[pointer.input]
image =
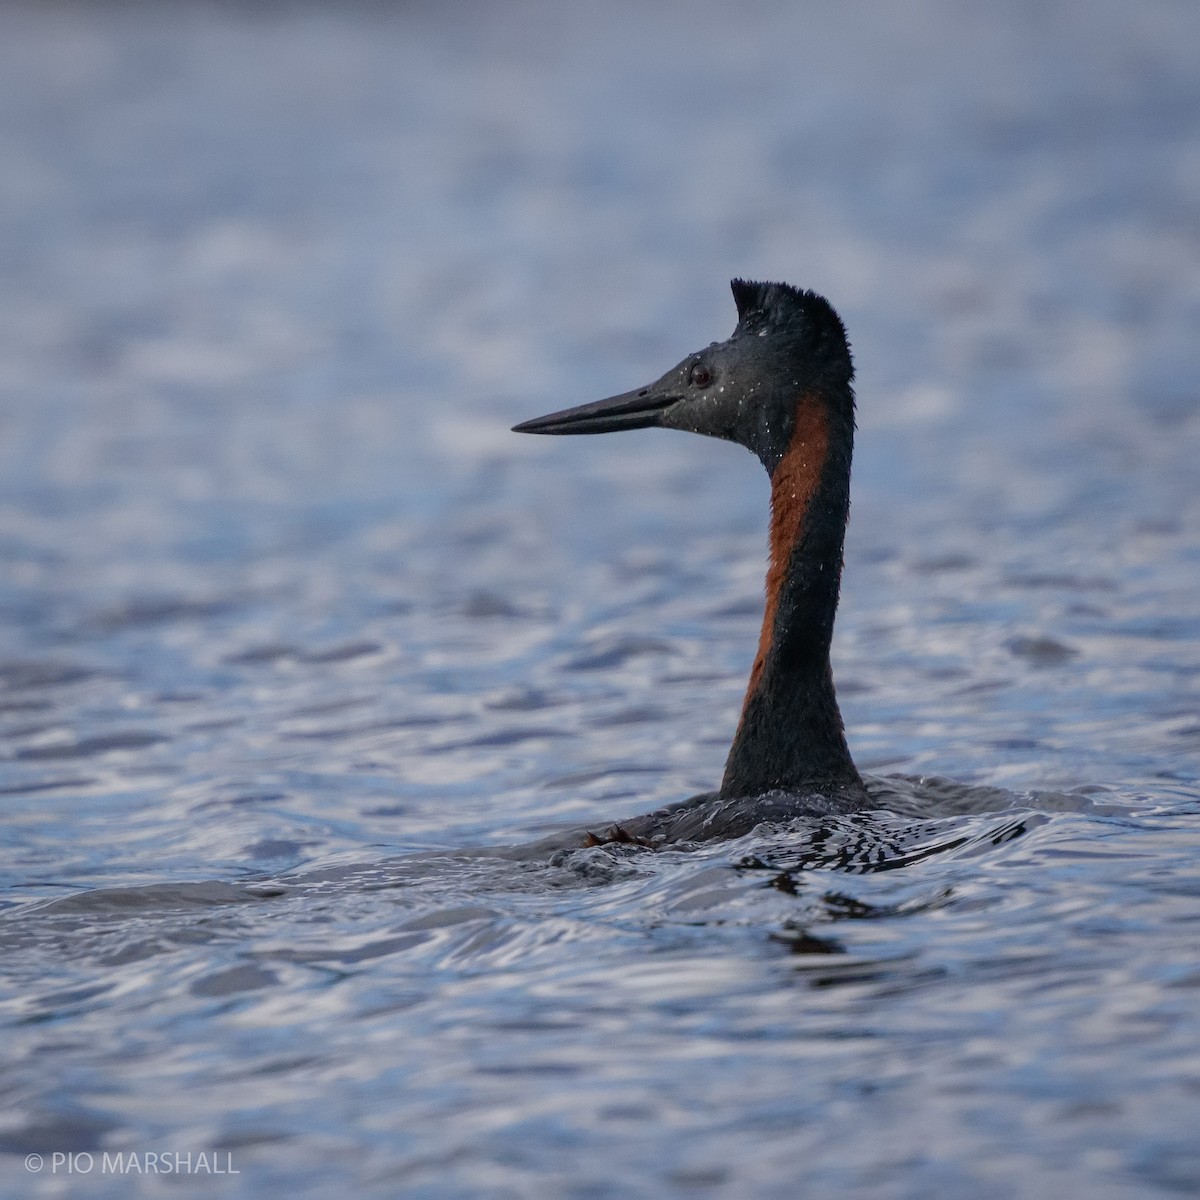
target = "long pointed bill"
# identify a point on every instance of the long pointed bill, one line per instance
(633, 410)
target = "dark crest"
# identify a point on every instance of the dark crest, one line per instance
(781, 307)
(750, 298)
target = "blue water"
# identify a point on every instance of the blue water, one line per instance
(300, 648)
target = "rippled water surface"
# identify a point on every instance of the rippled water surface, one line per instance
(300, 648)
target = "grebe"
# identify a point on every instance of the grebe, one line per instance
(781, 386)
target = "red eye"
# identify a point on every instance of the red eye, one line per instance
(701, 376)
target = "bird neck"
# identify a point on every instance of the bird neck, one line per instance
(791, 736)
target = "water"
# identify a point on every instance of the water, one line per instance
(299, 646)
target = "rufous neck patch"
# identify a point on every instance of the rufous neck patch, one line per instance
(793, 485)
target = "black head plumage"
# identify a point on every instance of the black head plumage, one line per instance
(789, 345)
(766, 308)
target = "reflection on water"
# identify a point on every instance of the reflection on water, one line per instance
(305, 661)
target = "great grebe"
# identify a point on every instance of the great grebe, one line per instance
(781, 386)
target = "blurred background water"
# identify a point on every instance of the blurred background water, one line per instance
(296, 638)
